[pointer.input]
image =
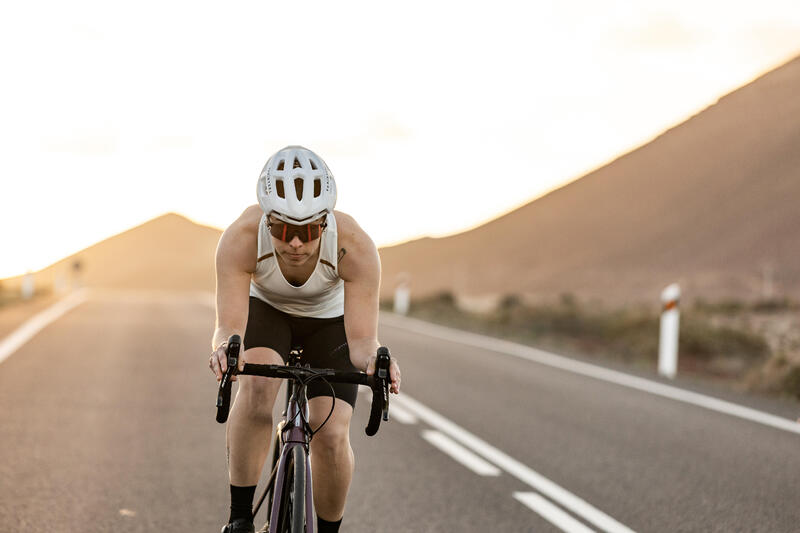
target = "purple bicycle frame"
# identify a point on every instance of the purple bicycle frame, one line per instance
(292, 435)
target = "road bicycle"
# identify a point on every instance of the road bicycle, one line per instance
(289, 491)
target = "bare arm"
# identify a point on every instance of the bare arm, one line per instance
(235, 264)
(360, 268)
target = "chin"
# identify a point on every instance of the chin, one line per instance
(296, 260)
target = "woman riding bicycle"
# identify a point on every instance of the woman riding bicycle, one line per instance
(292, 271)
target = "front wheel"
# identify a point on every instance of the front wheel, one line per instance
(292, 513)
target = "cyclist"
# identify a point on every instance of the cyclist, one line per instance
(292, 271)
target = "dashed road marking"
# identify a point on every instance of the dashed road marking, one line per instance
(551, 513)
(517, 469)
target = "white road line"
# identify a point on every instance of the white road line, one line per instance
(36, 323)
(403, 416)
(396, 412)
(460, 454)
(593, 371)
(513, 467)
(551, 513)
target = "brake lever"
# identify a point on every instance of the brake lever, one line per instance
(382, 372)
(224, 392)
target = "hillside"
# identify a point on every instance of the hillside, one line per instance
(711, 203)
(167, 252)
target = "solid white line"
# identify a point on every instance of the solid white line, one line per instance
(460, 454)
(513, 467)
(551, 513)
(593, 371)
(36, 323)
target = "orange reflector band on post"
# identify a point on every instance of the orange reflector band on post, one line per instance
(672, 304)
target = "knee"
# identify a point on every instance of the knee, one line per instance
(332, 441)
(259, 415)
(257, 397)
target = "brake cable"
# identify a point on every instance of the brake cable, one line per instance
(333, 403)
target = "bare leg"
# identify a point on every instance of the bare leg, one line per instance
(331, 457)
(250, 422)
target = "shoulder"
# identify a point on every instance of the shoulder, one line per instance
(239, 242)
(248, 220)
(358, 254)
(351, 234)
(246, 225)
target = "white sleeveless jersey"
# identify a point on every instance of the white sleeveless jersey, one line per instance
(321, 296)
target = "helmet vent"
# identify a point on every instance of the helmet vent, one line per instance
(298, 187)
(317, 187)
(280, 165)
(279, 187)
(313, 166)
(297, 163)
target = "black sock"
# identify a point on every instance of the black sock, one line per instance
(323, 526)
(242, 502)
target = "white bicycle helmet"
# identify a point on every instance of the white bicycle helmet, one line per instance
(296, 186)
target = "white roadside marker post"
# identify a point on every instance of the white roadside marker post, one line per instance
(668, 339)
(402, 296)
(28, 286)
(60, 283)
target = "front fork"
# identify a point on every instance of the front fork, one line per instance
(293, 431)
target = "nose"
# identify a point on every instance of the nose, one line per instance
(295, 242)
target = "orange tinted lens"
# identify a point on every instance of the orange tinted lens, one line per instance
(287, 232)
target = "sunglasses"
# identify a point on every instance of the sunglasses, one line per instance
(287, 232)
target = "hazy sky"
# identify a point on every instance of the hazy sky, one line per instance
(433, 116)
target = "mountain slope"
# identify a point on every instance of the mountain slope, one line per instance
(711, 203)
(167, 252)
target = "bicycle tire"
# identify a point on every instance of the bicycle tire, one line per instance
(299, 490)
(292, 513)
(276, 454)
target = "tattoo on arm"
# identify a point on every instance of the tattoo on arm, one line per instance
(341, 254)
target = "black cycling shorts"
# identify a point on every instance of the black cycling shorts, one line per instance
(323, 341)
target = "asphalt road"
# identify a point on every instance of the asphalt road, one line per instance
(108, 425)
